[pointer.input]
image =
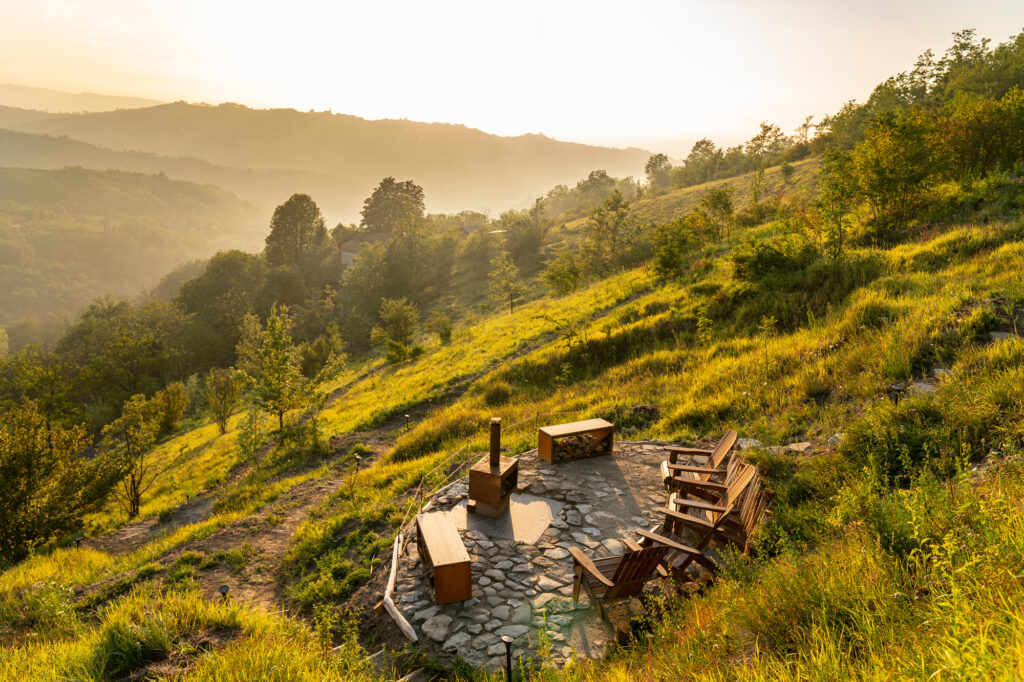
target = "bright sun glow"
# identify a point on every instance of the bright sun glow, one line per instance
(654, 74)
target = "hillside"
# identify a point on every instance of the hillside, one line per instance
(262, 188)
(258, 447)
(56, 101)
(913, 312)
(71, 235)
(459, 167)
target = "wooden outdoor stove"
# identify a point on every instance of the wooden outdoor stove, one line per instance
(493, 479)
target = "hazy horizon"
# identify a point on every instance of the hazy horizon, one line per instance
(574, 72)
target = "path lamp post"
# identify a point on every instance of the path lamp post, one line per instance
(224, 589)
(895, 392)
(508, 657)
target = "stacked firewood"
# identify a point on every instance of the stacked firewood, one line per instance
(576, 447)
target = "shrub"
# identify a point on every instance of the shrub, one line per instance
(757, 260)
(497, 393)
(170, 405)
(563, 275)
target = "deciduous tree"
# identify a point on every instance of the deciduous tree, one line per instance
(504, 282)
(270, 360)
(298, 232)
(393, 204)
(48, 486)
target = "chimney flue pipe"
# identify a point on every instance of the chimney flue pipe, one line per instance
(495, 442)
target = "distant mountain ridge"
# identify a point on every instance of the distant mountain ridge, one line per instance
(57, 101)
(458, 167)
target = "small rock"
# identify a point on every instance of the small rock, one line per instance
(613, 545)
(453, 643)
(922, 388)
(748, 443)
(520, 615)
(556, 553)
(437, 628)
(426, 613)
(798, 447)
(513, 630)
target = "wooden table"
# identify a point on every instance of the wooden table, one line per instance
(602, 433)
(444, 557)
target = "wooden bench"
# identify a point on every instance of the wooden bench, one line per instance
(601, 435)
(444, 557)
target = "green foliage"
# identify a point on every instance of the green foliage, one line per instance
(717, 203)
(270, 361)
(440, 324)
(504, 283)
(612, 238)
(659, 172)
(298, 232)
(524, 233)
(222, 392)
(48, 487)
(563, 275)
(393, 205)
(497, 393)
(130, 438)
(400, 322)
(170, 404)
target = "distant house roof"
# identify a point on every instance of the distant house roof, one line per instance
(353, 244)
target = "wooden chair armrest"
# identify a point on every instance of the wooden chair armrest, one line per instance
(668, 542)
(630, 545)
(697, 504)
(675, 450)
(701, 484)
(687, 467)
(584, 561)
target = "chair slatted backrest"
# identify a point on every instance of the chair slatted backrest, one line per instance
(635, 568)
(754, 506)
(743, 476)
(721, 451)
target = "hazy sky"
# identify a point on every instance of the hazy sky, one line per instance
(656, 74)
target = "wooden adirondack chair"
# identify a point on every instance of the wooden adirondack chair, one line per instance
(716, 459)
(617, 577)
(680, 555)
(713, 492)
(735, 522)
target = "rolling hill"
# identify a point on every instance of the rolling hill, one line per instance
(45, 99)
(458, 167)
(67, 236)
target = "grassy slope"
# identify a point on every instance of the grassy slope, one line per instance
(794, 615)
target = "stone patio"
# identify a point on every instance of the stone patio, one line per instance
(522, 571)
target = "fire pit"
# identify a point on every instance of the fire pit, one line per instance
(493, 479)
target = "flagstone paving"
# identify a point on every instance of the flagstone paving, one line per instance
(524, 589)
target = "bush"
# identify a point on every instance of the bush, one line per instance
(170, 405)
(893, 442)
(563, 275)
(756, 260)
(497, 393)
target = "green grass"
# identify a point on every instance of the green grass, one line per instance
(883, 558)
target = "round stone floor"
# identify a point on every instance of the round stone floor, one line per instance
(525, 589)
